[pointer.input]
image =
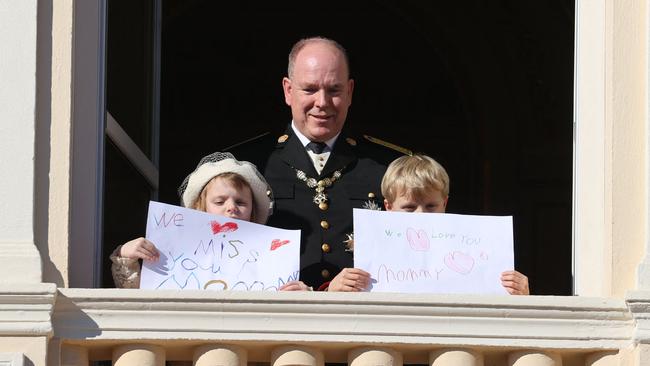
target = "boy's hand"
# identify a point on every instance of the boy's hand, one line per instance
(295, 286)
(350, 280)
(515, 283)
(140, 248)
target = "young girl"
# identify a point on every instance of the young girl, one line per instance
(219, 185)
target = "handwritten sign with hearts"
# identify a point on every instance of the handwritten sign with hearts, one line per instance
(276, 243)
(436, 253)
(226, 227)
(418, 239)
(459, 262)
(203, 251)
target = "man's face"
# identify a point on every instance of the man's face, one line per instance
(319, 92)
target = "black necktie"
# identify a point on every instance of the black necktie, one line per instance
(316, 147)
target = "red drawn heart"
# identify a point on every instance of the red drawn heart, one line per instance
(276, 243)
(418, 240)
(225, 228)
(459, 262)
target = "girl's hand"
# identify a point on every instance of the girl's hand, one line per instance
(515, 283)
(350, 280)
(140, 248)
(295, 286)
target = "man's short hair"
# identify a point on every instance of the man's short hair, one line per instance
(415, 175)
(298, 46)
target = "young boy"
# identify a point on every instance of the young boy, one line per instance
(219, 185)
(417, 183)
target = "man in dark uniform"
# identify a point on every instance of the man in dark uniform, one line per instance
(317, 173)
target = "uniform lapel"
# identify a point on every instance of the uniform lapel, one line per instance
(342, 155)
(295, 155)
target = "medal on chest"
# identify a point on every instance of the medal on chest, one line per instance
(319, 186)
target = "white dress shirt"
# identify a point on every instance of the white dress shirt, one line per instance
(319, 160)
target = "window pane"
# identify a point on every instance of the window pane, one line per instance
(129, 68)
(485, 88)
(126, 200)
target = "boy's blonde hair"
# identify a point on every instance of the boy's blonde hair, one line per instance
(415, 175)
(234, 180)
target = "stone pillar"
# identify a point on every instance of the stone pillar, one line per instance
(369, 356)
(643, 270)
(297, 356)
(20, 261)
(534, 358)
(139, 354)
(455, 357)
(211, 355)
(74, 356)
(602, 359)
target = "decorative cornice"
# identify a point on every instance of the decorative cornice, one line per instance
(26, 309)
(638, 302)
(364, 318)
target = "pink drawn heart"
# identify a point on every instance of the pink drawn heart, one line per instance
(276, 243)
(226, 227)
(418, 240)
(459, 262)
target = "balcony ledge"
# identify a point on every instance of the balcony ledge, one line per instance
(548, 322)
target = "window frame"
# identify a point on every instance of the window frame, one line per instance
(591, 248)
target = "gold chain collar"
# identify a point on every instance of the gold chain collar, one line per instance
(320, 198)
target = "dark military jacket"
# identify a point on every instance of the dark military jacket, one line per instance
(324, 228)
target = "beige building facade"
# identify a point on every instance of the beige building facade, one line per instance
(51, 59)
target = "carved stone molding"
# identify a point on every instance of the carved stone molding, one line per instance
(26, 309)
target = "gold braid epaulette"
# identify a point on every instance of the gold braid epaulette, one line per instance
(387, 144)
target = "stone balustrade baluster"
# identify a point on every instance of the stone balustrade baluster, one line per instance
(371, 356)
(210, 355)
(297, 356)
(602, 359)
(139, 354)
(455, 357)
(534, 358)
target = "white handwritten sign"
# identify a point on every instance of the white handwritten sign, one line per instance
(203, 251)
(436, 253)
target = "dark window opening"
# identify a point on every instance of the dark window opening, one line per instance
(486, 88)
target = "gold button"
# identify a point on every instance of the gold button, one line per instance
(325, 274)
(371, 195)
(325, 247)
(323, 206)
(324, 224)
(283, 138)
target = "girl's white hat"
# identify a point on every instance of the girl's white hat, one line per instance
(222, 162)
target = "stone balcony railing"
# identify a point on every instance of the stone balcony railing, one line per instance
(137, 327)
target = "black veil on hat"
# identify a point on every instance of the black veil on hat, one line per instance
(223, 162)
